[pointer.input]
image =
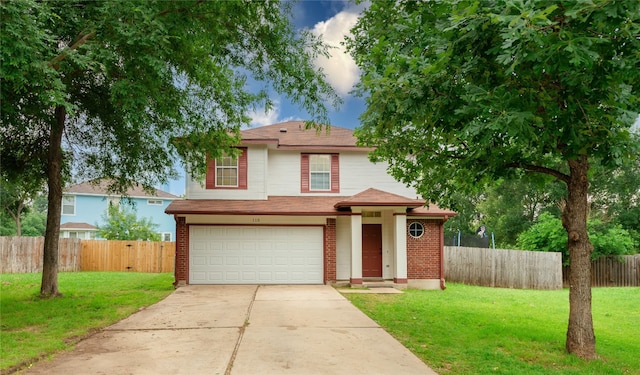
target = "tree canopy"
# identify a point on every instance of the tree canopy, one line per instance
(463, 92)
(120, 89)
(122, 223)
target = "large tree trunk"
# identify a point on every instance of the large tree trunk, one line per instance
(49, 287)
(581, 339)
(18, 222)
(16, 218)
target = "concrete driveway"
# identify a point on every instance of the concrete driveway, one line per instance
(241, 330)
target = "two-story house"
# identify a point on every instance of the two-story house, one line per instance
(85, 204)
(301, 207)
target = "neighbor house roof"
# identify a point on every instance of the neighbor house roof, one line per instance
(72, 225)
(100, 187)
(294, 135)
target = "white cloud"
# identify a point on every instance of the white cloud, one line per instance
(340, 69)
(261, 117)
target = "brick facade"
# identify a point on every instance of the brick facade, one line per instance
(181, 271)
(423, 254)
(330, 251)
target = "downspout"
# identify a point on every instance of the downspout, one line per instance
(443, 286)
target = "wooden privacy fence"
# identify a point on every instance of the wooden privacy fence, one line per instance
(503, 268)
(24, 255)
(612, 271)
(135, 256)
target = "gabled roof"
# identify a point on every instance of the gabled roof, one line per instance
(72, 225)
(100, 187)
(293, 135)
(375, 197)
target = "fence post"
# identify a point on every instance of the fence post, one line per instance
(493, 267)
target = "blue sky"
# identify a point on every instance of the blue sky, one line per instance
(331, 20)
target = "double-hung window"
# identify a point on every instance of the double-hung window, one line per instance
(320, 173)
(68, 204)
(228, 172)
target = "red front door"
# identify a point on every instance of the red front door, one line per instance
(371, 250)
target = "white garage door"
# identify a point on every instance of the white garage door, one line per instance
(255, 255)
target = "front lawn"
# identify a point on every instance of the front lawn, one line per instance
(32, 328)
(477, 330)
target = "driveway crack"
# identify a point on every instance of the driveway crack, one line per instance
(241, 333)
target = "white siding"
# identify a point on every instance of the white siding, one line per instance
(274, 172)
(357, 173)
(284, 173)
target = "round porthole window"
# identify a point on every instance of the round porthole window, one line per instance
(416, 230)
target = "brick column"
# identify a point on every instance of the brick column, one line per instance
(423, 254)
(330, 251)
(181, 270)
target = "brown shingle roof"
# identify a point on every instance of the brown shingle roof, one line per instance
(375, 197)
(72, 225)
(101, 188)
(272, 206)
(302, 206)
(292, 134)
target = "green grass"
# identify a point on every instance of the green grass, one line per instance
(477, 330)
(33, 328)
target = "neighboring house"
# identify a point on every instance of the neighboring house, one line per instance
(301, 207)
(85, 204)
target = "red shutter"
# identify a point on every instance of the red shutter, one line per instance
(242, 169)
(335, 173)
(210, 181)
(304, 173)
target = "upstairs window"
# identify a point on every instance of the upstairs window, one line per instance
(320, 173)
(68, 204)
(228, 172)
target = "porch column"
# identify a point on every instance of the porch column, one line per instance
(356, 249)
(400, 240)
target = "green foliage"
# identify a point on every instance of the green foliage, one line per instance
(16, 199)
(7, 225)
(34, 328)
(547, 234)
(34, 224)
(460, 93)
(122, 223)
(136, 84)
(477, 330)
(463, 93)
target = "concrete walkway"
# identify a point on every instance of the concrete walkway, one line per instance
(241, 330)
